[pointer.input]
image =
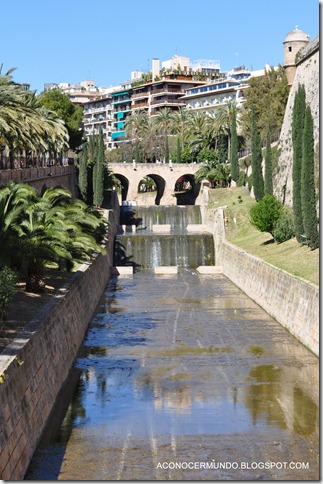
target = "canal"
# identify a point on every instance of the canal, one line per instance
(183, 377)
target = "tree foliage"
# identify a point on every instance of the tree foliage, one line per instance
(83, 172)
(49, 228)
(234, 148)
(8, 289)
(308, 196)
(25, 123)
(266, 97)
(72, 115)
(268, 165)
(98, 171)
(265, 214)
(256, 161)
(297, 139)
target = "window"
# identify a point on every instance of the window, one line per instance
(289, 49)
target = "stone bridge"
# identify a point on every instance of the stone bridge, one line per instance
(175, 182)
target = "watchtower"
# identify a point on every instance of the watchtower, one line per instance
(293, 43)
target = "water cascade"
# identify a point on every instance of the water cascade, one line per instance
(146, 248)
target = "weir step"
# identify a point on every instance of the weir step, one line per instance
(161, 228)
(123, 270)
(197, 228)
(166, 270)
(210, 269)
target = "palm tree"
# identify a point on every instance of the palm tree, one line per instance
(50, 228)
(163, 122)
(23, 123)
(180, 121)
(221, 119)
(135, 124)
(222, 175)
(14, 198)
(136, 127)
(207, 172)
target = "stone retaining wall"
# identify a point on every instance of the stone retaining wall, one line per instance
(43, 177)
(292, 301)
(36, 364)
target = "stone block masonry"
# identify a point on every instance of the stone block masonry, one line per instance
(43, 177)
(292, 301)
(36, 364)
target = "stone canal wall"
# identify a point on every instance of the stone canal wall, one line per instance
(36, 364)
(292, 301)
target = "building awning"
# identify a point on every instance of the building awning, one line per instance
(117, 134)
(119, 93)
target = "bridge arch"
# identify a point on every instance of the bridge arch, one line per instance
(165, 177)
(186, 189)
(124, 185)
(160, 183)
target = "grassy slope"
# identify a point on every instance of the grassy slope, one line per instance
(290, 256)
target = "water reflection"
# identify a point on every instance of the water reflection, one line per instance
(187, 355)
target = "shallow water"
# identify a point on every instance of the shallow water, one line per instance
(184, 377)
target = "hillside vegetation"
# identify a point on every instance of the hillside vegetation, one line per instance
(289, 256)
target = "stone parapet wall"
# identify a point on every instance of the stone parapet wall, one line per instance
(43, 177)
(292, 301)
(36, 363)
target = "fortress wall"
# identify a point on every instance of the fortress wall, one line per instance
(43, 177)
(292, 301)
(307, 73)
(36, 363)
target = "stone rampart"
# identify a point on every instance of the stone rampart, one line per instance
(308, 74)
(292, 301)
(43, 177)
(36, 364)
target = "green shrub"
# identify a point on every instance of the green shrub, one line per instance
(284, 227)
(249, 182)
(242, 179)
(264, 215)
(8, 289)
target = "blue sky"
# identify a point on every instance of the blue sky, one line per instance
(104, 40)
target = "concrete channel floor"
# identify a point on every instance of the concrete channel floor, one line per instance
(186, 378)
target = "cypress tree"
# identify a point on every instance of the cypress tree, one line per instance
(99, 171)
(234, 148)
(166, 149)
(222, 148)
(308, 196)
(297, 139)
(178, 151)
(82, 179)
(256, 161)
(268, 165)
(93, 153)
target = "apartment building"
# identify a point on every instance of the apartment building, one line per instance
(121, 105)
(167, 86)
(80, 93)
(98, 113)
(230, 87)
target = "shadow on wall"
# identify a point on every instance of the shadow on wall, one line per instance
(186, 190)
(121, 258)
(160, 184)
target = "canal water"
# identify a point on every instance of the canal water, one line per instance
(183, 377)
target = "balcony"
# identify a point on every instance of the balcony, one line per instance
(177, 102)
(141, 95)
(167, 90)
(140, 105)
